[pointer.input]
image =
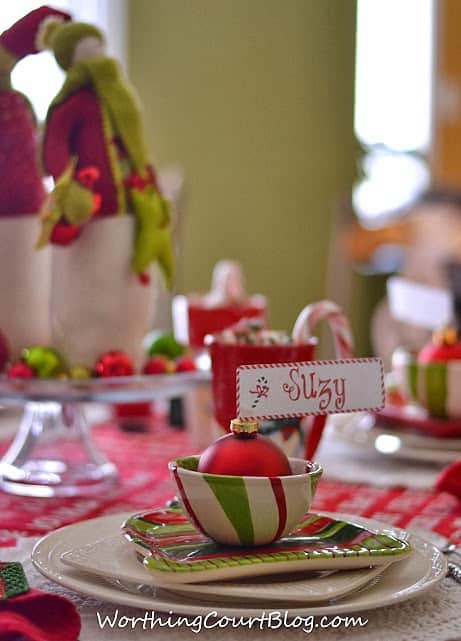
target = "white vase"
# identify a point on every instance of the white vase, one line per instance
(24, 284)
(97, 301)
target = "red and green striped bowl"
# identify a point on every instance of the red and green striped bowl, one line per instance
(435, 385)
(245, 510)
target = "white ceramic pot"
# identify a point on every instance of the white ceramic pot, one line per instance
(97, 301)
(24, 284)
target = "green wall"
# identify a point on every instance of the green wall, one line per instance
(254, 99)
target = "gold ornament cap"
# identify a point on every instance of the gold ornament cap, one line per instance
(447, 335)
(241, 426)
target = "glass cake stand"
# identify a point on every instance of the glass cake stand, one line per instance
(52, 453)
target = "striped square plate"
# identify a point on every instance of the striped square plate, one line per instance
(171, 547)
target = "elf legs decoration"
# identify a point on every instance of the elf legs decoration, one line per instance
(24, 284)
(97, 302)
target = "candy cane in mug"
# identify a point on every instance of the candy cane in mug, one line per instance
(303, 330)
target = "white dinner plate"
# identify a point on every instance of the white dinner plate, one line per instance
(360, 431)
(411, 577)
(115, 558)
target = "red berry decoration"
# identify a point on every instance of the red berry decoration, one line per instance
(97, 199)
(20, 370)
(244, 452)
(185, 364)
(158, 365)
(144, 278)
(114, 363)
(64, 234)
(87, 176)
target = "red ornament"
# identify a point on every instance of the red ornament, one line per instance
(444, 347)
(20, 370)
(439, 353)
(244, 452)
(64, 234)
(114, 363)
(158, 365)
(185, 364)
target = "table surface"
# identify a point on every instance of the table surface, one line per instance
(142, 461)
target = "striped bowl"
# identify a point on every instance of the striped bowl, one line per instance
(436, 386)
(245, 510)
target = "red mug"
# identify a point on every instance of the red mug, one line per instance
(203, 320)
(227, 357)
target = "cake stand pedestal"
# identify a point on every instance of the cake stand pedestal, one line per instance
(53, 453)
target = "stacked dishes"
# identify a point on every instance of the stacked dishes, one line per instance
(329, 564)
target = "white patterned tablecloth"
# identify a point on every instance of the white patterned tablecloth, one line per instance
(433, 617)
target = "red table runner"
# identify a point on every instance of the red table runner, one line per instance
(145, 483)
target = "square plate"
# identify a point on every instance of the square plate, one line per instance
(174, 550)
(115, 560)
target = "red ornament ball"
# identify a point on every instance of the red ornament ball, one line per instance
(185, 364)
(445, 346)
(158, 365)
(439, 353)
(244, 455)
(20, 370)
(114, 363)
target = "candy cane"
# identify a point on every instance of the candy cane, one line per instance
(227, 283)
(343, 342)
(338, 323)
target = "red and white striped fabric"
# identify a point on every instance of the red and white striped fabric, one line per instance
(146, 483)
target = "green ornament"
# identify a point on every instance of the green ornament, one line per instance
(80, 372)
(166, 345)
(46, 362)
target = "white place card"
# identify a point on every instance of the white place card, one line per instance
(312, 387)
(418, 304)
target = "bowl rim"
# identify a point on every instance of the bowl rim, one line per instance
(315, 472)
(312, 342)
